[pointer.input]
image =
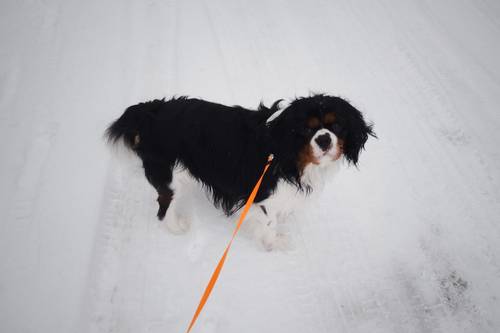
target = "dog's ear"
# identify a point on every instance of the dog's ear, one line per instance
(280, 131)
(281, 141)
(358, 131)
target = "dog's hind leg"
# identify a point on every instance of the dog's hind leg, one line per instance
(160, 176)
(170, 183)
(165, 197)
(176, 219)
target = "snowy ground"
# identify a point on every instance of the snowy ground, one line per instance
(410, 242)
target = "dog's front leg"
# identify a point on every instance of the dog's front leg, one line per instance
(261, 224)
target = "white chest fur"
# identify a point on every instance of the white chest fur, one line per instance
(262, 219)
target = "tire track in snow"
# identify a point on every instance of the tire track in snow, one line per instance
(125, 292)
(173, 78)
(443, 101)
(10, 76)
(200, 53)
(227, 46)
(456, 138)
(117, 283)
(248, 60)
(223, 57)
(38, 129)
(451, 133)
(350, 278)
(29, 179)
(444, 123)
(152, 60)
(454, 284)
(489, 10)
(303, 296)
(366, 307)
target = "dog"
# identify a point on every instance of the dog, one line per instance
(225, 149)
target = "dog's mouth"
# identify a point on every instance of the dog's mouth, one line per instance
(330, 152)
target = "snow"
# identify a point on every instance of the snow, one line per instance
(407, 243)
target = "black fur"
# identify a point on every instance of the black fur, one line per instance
(226, 148)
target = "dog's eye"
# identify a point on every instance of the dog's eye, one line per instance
(336, 127)
(307, 131)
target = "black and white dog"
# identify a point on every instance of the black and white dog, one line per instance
(226, 149)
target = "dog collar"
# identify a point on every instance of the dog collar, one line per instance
(274, 116)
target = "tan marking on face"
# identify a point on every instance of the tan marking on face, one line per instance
(306, 156)
(328, 118)
(313, 122)
(340, 149)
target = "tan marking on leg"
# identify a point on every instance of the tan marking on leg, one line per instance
(164, 197)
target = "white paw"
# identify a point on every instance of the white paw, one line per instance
(280, 243)
(177, 225)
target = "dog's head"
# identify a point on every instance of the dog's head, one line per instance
(319, 129)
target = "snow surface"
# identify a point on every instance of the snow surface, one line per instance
(410, 242)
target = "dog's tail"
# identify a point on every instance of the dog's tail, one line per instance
(126, 134)
(132, 124)
(128, 126)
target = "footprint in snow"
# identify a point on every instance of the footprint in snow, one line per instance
(210, 324)
(196, 248)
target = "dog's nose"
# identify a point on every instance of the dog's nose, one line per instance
(324, 141)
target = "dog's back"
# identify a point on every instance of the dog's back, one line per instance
(222, 147)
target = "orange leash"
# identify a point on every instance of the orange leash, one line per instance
(211, 284)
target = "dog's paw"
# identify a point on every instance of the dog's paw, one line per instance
(280, 243)
(176, 224)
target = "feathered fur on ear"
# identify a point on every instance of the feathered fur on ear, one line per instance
(282, 142)
(357, 134)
